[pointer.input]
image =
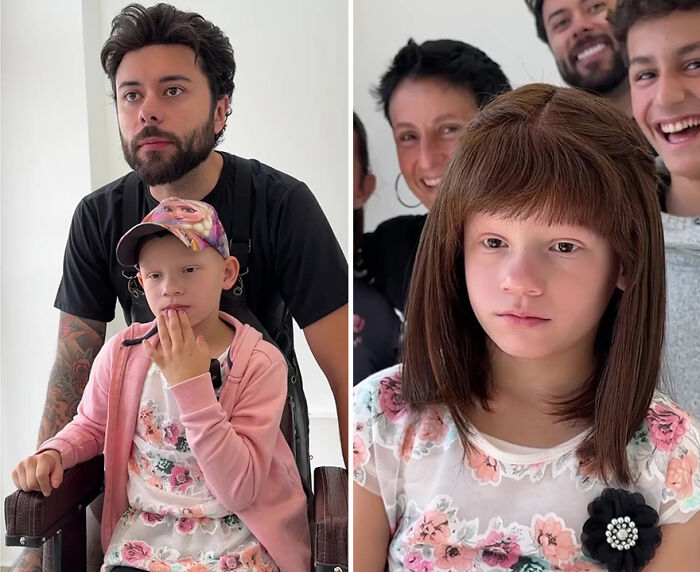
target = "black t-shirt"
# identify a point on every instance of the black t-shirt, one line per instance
(296, 267)
(388, 255)
(376, 329)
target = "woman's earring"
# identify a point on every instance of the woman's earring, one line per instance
(398, 196)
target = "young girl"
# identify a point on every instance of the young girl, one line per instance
(532, 352)
(198, 475)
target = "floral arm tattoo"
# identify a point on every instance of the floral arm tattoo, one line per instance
(79, 340)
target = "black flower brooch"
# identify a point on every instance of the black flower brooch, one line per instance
(622, 531)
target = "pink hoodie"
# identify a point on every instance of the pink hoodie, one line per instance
(246, 461)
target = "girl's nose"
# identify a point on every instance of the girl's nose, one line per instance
(522, 277)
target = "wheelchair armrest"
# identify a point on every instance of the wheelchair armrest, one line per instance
(31, 518)
(330, 519)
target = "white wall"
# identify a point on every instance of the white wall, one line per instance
(504, 29)
(59, 142)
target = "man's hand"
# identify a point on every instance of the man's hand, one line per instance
(180, 356)
(42, 472)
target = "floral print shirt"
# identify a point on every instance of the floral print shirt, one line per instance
(173, 523)
(503, 506)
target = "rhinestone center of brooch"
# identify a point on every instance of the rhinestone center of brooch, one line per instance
(622, 533)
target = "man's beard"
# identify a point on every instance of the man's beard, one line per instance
(155, 168)
(594, 81)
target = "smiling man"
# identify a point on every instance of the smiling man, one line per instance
(579, 36)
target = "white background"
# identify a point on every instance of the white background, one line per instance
(503, 29)
(60, 141)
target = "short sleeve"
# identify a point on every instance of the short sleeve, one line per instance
(379, 427)
(310, 267)
(674, 437)
(85, 289)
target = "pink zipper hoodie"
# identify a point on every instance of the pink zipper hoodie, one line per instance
(246, 461)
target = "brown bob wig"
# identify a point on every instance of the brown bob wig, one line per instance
(565, 157)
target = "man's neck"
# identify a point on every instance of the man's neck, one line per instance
(683, 197)
(196, 184)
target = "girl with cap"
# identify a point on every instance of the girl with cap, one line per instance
(197, 472)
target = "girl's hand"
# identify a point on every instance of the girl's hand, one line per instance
(42, 472)
(180, 356)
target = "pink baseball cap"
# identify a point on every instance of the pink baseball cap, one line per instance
(195, 223)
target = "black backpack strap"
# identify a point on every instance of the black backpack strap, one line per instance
(239, 235)
(130, 205)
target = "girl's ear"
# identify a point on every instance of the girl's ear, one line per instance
(621, 280)
(231, 269)
(138, 275)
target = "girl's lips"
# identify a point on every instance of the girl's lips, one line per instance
(175, 307)
(526, 321)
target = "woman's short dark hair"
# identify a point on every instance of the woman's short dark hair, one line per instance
(565, 156)
(629, 12)
(362, 149)
(456, 63)
(136, 27)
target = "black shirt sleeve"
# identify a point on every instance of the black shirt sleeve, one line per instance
(85, 289)
(389, 254)
(310, 268)
(376, 329)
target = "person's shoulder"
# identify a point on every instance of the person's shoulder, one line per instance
(378, 399)
(669, 427)
(266, 178)
(106, 192)
(404, 224)
(663, 459)
(249, 345)
(101, 201)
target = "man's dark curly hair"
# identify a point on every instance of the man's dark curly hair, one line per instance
(535, 7)
(629, 12)
(456, 63)
(136, 27)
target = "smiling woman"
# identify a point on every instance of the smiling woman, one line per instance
(428, 94)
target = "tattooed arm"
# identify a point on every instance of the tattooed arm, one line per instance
(79, 340)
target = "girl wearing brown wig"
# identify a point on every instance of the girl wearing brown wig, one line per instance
(524, 418)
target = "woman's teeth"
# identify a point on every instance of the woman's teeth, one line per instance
(432, 182)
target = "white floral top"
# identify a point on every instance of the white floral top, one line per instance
(173, 523)
(503, 507)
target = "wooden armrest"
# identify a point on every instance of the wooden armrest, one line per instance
(31, 518)
(330, 519)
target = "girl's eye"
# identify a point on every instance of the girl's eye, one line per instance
(407, 137)
(694, 65)
(189, 269)
(565, 247)
(598, 7)
(493, 242)
(130, 96)
(153, 276)
(188, 210)
(174, 91)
